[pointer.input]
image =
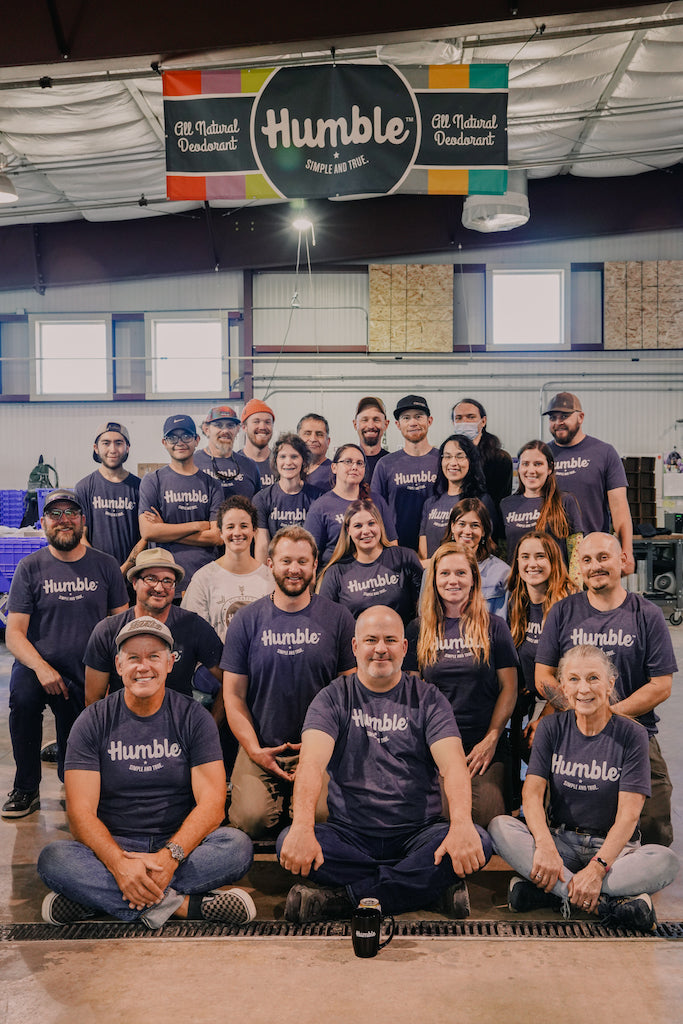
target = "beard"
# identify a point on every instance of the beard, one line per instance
(293, 588)
(567, 435)
(370, 436)
(64, 539)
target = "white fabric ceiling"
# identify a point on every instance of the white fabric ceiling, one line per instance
(604, 104)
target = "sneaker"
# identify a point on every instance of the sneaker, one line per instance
(57, 909)
(21, 803)
(48, 753)
(229, 906)
(455, 901)
(523, 895)
(634, 912)
(317, 903)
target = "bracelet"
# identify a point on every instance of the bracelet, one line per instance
(603, 863)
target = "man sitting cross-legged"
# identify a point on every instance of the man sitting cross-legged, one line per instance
(145, 794)
(383, 735)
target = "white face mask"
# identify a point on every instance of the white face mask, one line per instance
(468, 429)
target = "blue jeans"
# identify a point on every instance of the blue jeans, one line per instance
(637, 868)
(27, 701)
(398, 869)
(72, 869)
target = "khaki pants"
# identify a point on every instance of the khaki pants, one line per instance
(655, 819)
(261, 803)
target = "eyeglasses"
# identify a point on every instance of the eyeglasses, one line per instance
(225, 475)
(174, 439)
(460, 457)
(358, 463)
(57, 513)
(152, 581)
(224, 424)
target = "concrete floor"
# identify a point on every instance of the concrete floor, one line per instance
(297, 980)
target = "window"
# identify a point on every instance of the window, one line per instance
(188, 354)
(527, 309)
(71, 356)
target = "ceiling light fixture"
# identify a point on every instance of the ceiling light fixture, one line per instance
(499, 213)
(302, 224)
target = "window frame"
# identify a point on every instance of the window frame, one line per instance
(228, 320)
(531, 269)
(35, 321)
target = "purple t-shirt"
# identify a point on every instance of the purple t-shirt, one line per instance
(635, 635)
(436, 513)
(287, 657)
(587, 773)
(111, 513)
(382, 774)
(321, 476)
(405, 482)
(182, 499)
(194, 642)
(471, 687)
(241, 474)
(370, 463)
(276, 509)
(589, 470)
(264, 469)
(529, 646)
(65, 601)
(521, 514)
(145, 763)
(325, 517)
(393, 579)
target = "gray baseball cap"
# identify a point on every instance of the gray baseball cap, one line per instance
(144, 626)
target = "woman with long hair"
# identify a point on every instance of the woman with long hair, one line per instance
(469, 524)
(538, 580)
(365, 569)
(325, 515)
(469, 655)
(538, 503)
(287, 501)
(588, 777)
(458, 476)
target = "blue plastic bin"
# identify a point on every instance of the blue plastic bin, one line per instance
(13, 549)
(11, 508)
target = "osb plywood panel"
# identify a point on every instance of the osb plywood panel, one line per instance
(411, 308)
(615, 305)
(644, 305)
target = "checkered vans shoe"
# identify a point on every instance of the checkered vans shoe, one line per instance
(57, 909)
(229, 906)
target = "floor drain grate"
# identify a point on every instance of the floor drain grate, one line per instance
(97, 930)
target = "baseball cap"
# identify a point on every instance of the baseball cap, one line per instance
(180, 422)
(117, 427)
(370, 402)
(255, 405)
(155, 558)
(563, 401)
(221, 412)
(103, 429)
(411, 402)
(144, 626)
(62, 494)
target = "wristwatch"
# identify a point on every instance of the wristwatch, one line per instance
(176, 851)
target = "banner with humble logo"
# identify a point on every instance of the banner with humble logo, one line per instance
(332, 130)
